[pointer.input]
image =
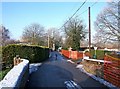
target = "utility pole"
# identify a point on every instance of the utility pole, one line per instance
(33, 38)
(89, 29)
(48, 40)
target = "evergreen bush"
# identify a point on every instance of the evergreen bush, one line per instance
(33, 53)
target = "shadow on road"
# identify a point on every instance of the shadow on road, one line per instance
(49, 76)
(53, 73)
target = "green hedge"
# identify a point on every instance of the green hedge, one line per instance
(3, 73)
(0, 53)
(99, 53)
(33, 53)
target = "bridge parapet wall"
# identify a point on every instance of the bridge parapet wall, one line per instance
(17, 76)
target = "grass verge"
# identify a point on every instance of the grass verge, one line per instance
(3, 73)
(93, 68)
(99, 53)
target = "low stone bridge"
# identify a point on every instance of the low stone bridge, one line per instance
(56, 72)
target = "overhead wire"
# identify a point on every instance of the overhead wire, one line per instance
(86, 9)
(74, 13)
(77, 11)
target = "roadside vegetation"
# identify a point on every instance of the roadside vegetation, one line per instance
(33, 53)
(99, 53)
(4, 72)
(0, 53)
(94, 68)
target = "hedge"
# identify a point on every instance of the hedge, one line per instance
(99, 53)
(33, 53)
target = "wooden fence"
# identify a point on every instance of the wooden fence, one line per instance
(112, 70)
(66, 53)
(72, 54)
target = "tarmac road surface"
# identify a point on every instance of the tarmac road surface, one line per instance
(54, 72)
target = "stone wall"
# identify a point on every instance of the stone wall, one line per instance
(17, 76)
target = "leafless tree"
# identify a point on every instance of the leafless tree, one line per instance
(106, 24)
(4, 35)
(54, 37)
(13, 41)
(34, 34)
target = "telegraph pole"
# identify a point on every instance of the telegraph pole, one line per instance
(89, 28)
(48, 40)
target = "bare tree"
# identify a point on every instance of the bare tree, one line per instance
(99, 40)
(4, 35)
(107, 24)
(13, 41)
(34, 34)
(54, 37)
(75, 32)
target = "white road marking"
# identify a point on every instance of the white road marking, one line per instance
(72, 85)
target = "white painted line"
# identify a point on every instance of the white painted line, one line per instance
(72, 85)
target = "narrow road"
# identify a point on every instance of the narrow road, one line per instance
(56, 71)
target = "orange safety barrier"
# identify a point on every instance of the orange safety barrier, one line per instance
(112, 70)
(72, 54)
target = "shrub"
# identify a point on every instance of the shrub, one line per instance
(87, 53)
(0, 52)
(3, 73)
(32, 53)
(93, 67)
